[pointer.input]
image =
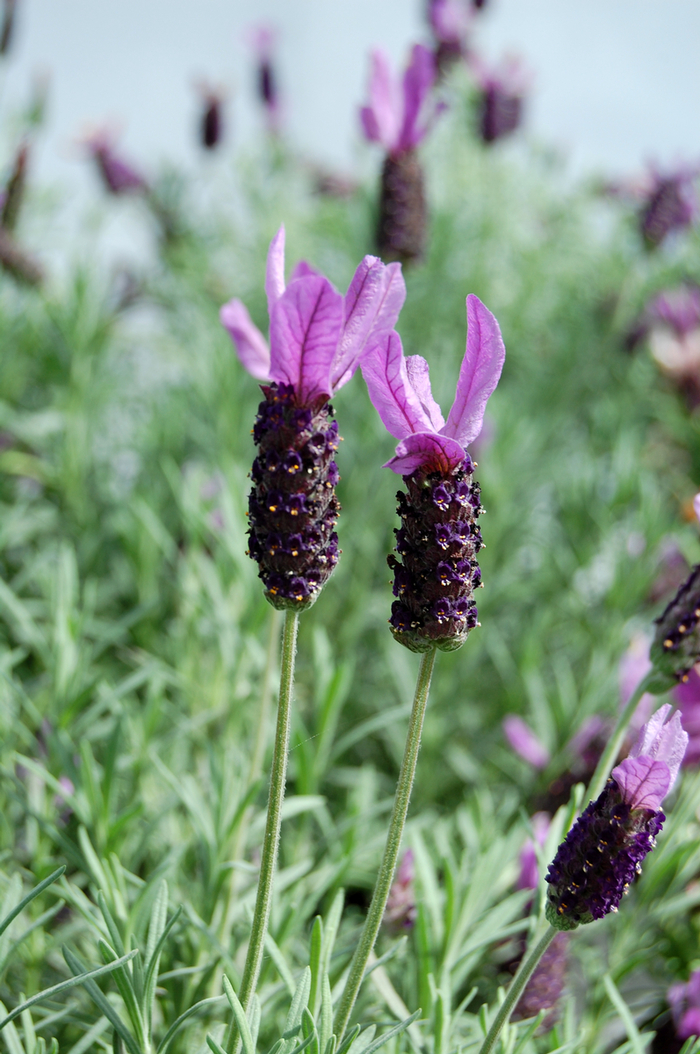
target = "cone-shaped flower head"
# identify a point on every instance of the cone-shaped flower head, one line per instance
(450, 21)
(398, 116)
(603, 851)
(676, 646)
(118, 176)
(316, 339)
(439, 538)
(671, 204)
(503, 90)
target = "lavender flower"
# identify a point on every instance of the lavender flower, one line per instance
(602, 853)
(211, 120)
(687, 697)
(264, 38)
(524, 741)
(450, 21)
(118, 176)
(676, 646)
(438, 539)
(684, 1000)
(672, 326)
(502, 91)
(529, 877)
(13, 195)
(398, 117)
(670, 204)
(400, 912)
(316, 339)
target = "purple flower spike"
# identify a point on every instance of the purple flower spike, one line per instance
(524, 741)
(118, 176)
(438, 538)
(211, 124)
(671, 204)
(398, 116)
(316, 339)
(263, 41)
(503, 90)
(602, 853)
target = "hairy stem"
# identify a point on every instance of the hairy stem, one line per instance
(278, 778)
(525, 971)
(615, 742)
(391, 850)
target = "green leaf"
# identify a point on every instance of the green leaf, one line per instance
(241, 1019)
(315, 954)
(82, 977)
(180, 1021)
(299, 1001)
(636, 1042)
(395, 1031)
(30, 897)
(99, 998)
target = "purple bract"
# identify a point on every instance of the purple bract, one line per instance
(118, 175)
(399, 115)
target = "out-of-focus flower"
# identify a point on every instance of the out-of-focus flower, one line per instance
(398, 116)
(17, 262)
(264, 39)
(9, 10)
(438, 538)
(634, 665)
(450, 21)
(14, 191)
(545, 988)
(211, 123)
(316, 339)
(400, 912)
(687, 698)
(672, 570)
(524, 741)
(502, 93)
(684, 1000)
(673, 334)
(603, 851)
(671, 204)
(529, 876)
(118, 176)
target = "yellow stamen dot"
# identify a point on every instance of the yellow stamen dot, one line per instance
(668, 643)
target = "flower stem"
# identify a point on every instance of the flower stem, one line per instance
(256, 765)
(391, 850)
(525, 971)
(615, 742)
(278, 778)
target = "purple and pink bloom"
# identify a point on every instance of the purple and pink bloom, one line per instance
(684, 1000)
(525, 742)
(316, 339)
(399, 116)
(119, 176)
(439, 538)
(602, 853)
(502, 94)
(450, 22)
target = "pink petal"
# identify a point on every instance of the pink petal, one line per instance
(419, 378)
(643, 782)
(304, 331)
(251, 346)
(371, 305)
(384, 101)
(386, 376)
(435, 452)
(302, 269)
(662, 740)
(369, 125)
(274, 274)
(417, 82)
(696, 506)
(479, 375)
(689, 1024)
(524, 741)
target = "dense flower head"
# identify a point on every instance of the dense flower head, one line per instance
(118, 175)
(450, 22)
(211, 125)
(502, 93)
(316, 339)
(439, 539)
(670, 204)
(684, 1000)
(399, 115)
(676, 646)
(602, 853)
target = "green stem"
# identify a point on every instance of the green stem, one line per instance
(525, 971)
(611, 751)
(256, 767)
(391, 850)
(278, 778)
